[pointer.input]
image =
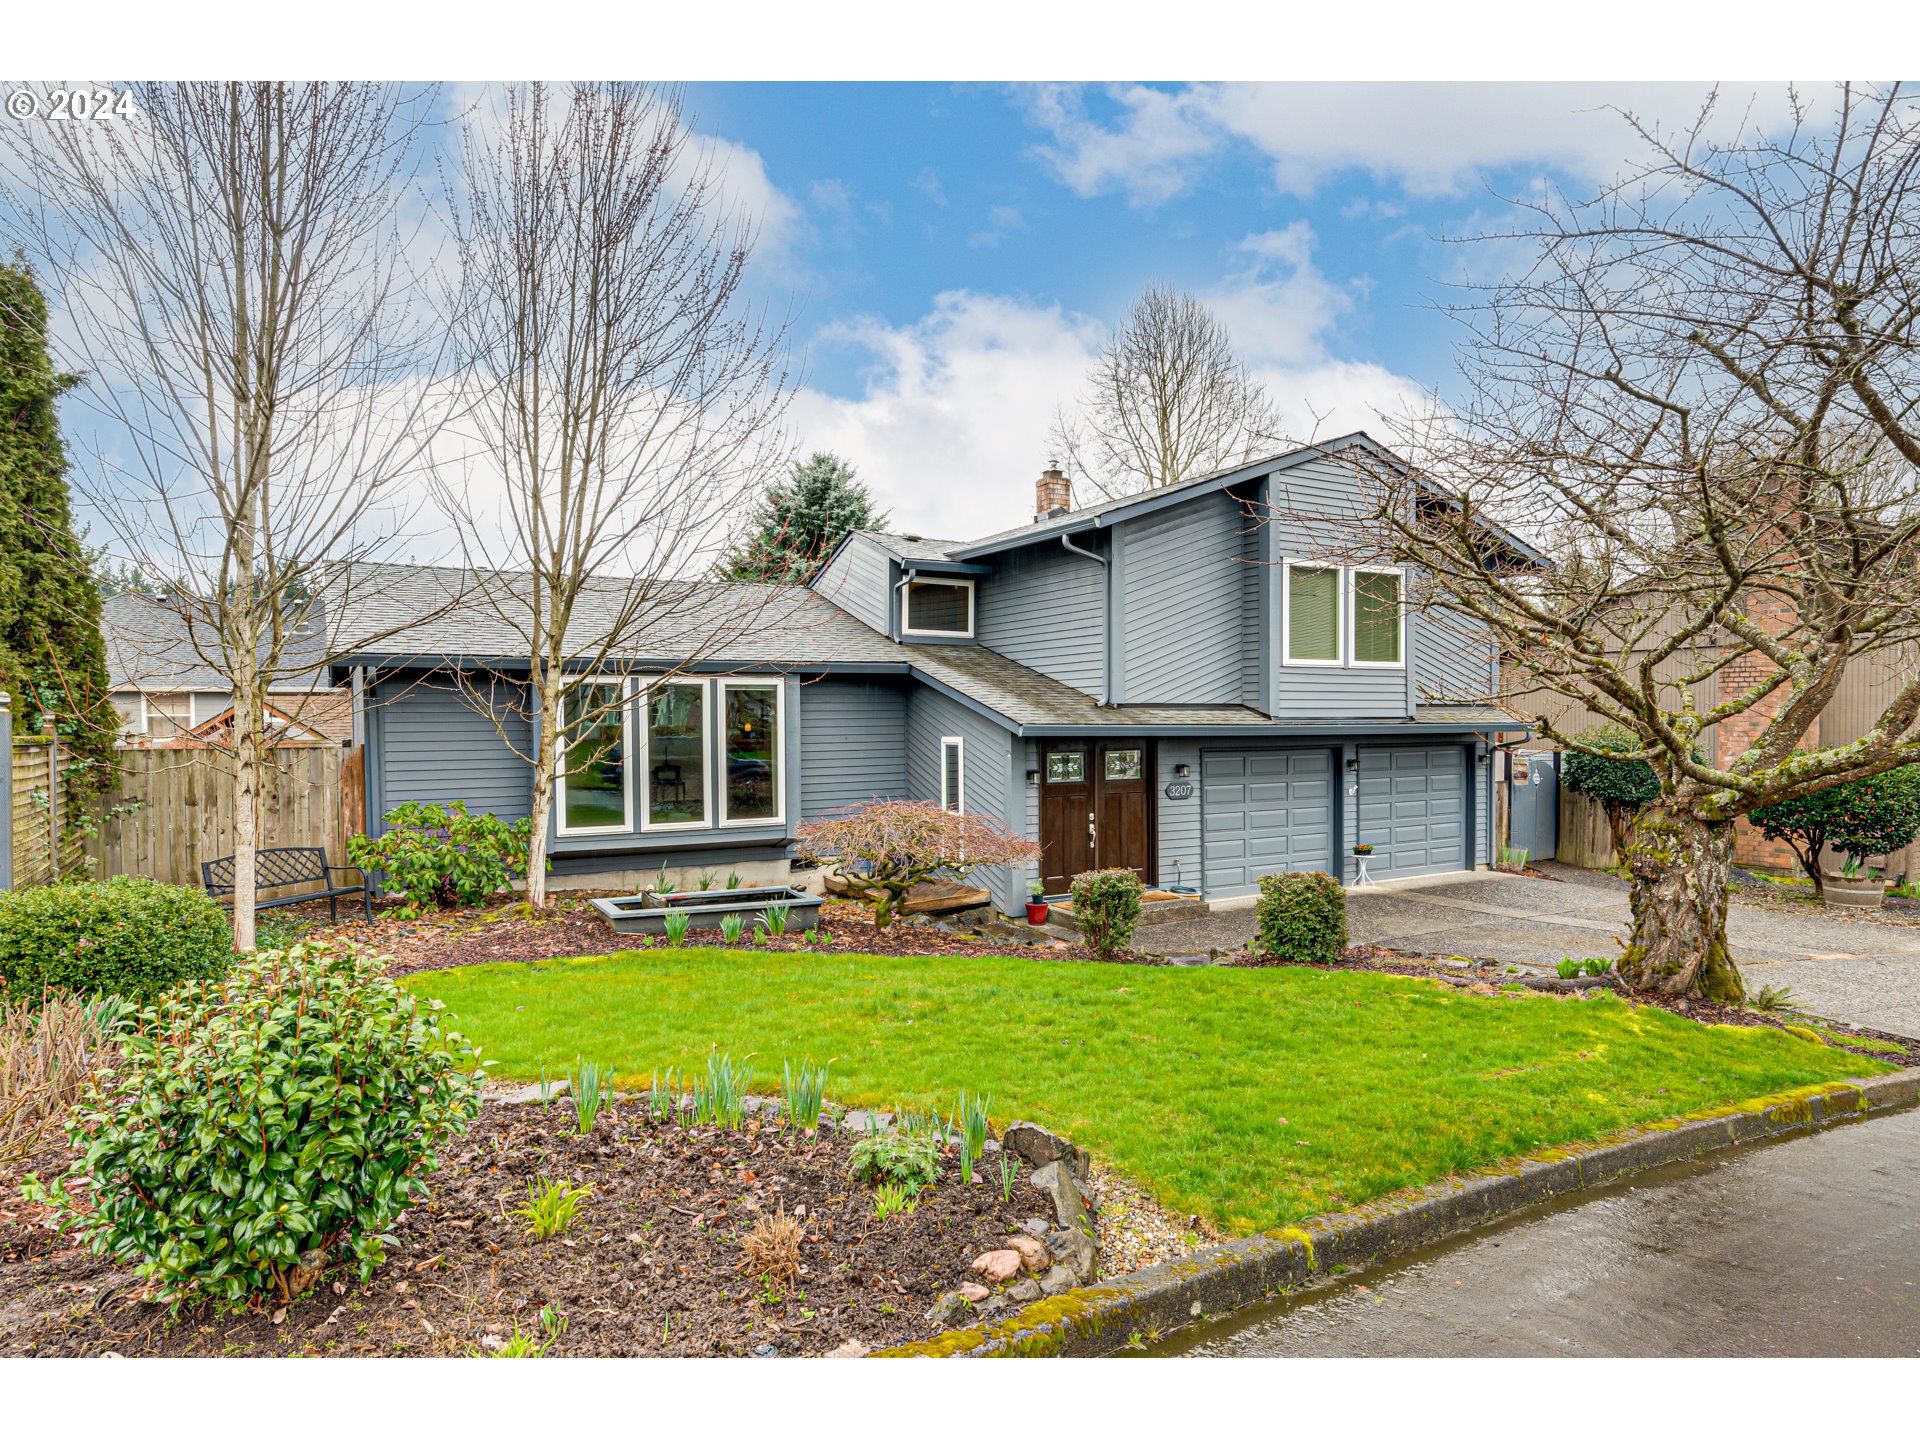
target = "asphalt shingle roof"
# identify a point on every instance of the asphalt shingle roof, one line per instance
(153, 647)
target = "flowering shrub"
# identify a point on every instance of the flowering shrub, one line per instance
(255, 1124)
(886, 847)
(442, 854)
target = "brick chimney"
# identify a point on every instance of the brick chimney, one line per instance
(1052, 494)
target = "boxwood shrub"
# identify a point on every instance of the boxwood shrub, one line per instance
(1302, 918)
(1106, 907)
(126, 936)
(260, 1123)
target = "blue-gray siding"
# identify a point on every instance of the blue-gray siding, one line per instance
(859, 581)
(1452, 658)
(432, 744)
(1046, 607)
(987, 756)
(853, 744)
(1180, 586)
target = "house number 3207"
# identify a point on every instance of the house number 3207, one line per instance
(1179, 790)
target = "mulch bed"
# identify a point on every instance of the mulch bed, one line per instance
(650, 1267)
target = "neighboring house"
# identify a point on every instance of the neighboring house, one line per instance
(1170, 683)
(167, 692)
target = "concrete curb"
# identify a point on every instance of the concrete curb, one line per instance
(1099, 1319)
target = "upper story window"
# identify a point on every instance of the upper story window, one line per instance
(939, 607)
(1313, 614)
(1378, 618)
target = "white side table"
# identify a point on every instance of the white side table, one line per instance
(1363, 878)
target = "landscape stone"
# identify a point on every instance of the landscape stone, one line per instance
(998, 1266)
(975, 1293)
(849, 1350)
(1057, 1281)
(1056, 1182)
(1025, 1292)
(1034, 1145)
(1075, 1250)
(1034, 1254)
(1034, 1225)
(533, 1095)
(950, 1309)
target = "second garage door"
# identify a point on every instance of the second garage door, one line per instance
(1264, 811)
(1413, 808)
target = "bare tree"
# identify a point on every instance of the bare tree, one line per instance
(1697, 394)
(629, 395)
(231, 261)
(1166, 400)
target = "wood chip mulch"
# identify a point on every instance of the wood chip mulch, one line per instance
(650, 1267)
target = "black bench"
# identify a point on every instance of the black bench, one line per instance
(289, 865)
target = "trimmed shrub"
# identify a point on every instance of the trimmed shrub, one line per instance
(441, 855)
(1302, 917)
(126, 936)
(1106, 907)
(256, 1124)
(1878, 815)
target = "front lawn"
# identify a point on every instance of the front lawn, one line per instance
(1253, 1097)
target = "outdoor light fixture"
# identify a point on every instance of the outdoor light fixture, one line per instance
(1353, 762)
(1183, 771)
(1033, 777)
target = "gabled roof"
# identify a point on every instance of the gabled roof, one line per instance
(155, 648)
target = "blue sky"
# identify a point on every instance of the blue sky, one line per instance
(956, 251)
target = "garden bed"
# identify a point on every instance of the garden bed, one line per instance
(650, 1267)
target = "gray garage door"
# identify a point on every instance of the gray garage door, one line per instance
(1413, 808)
(1262, 812)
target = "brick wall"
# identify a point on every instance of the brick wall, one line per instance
(1737, 734)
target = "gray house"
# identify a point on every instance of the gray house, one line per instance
(1188, 683)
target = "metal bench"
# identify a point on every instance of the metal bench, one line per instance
(289, 865)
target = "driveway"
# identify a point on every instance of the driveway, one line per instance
(1806, 1246)
(1853, 970)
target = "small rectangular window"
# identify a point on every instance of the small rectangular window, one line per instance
(953, 790)
(1066, 767)
(1313, 615)
(1124, 765)
(939, 607)
(1377, 613)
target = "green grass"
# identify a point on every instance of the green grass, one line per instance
(1253, 1097)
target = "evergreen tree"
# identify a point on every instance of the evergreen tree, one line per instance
(53, 659)
(800, 520)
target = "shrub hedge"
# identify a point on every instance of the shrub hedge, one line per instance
(126, 936)
(257, 1124)
(1106, 907)
(1302, 917)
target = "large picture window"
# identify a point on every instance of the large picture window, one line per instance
(1378, 618)
(939, 607)
(594, 796)
(677, 746)
(752, 788)
(1313, 615)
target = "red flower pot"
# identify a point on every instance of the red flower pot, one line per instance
(1036, 912)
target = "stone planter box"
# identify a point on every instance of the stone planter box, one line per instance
(1861, 894)
(647, 914)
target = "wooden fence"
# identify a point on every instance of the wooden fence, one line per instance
(1584, 836)
(183, 808)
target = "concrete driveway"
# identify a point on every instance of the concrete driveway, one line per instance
(1860, 971)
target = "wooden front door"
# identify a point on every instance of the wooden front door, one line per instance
(1096, 810)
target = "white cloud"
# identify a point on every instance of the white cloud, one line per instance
(949, 427)
(1428, 138)
(749, 194)
(1002, 221)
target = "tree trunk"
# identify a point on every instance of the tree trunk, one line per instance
(548, 719)
(1678, 868)
(247, 759)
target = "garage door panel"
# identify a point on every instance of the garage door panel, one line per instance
(1413, 808)
(1264, 812)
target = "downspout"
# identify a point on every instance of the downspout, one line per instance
(899, 616)
(1106, 616)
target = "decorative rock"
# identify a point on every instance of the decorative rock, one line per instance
(1036, 1226)
(535, 1094)
(1056, 1281)
(1035, 1146)
(1025, 1293)
(974, 1293)
(1077, 1252)
(950, 1309)
(1033, 1252)
(991, 1304)
(1056, 1182)
(849, 1350)
(998, 1266)
(767, 1351)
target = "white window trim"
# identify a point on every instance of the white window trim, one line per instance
(1353, 611)
(906, 606)
(1287, 567)
(779, 687)
(646, 689)
(560, 826)
(959, 743)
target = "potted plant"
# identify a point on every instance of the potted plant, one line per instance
(1856, 885)
(1036, 903)
(1363, 848)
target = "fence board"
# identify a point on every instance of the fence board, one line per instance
(1585, 838)
(183, 809)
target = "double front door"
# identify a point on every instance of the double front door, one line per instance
(1096, 809)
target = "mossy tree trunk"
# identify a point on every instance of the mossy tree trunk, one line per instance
(1678, 872)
